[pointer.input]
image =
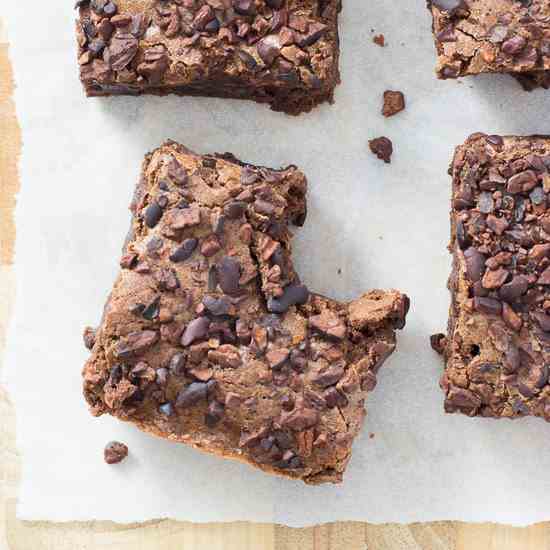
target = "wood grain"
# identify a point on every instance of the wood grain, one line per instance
(172, 535)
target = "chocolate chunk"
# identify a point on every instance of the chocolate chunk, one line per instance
(328, 376)
(177, 173)
(487, 305)
(151, 310)
(228, 272)
(244, 7)
(382, 147)
(543, 320)
(438, 342)
(294, 294)
(185, 251)
(329, 325)
(269, 48)
(301, 418)
(177, 364)
(276, 358)
(89, 337)
(217, 306)
(196, 330)
(475, 264)
(122, 50)
(394, 102)
(514, 289)
(191, 395)
(115, 452)
(136, 343)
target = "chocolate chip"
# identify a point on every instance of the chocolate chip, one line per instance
(328, 376)
(151, 310)
(228, 272)
(475, 264)
(196, 330)
(153, 214)
(269, 48)
(276, 358)
(489, 306)
(217, 306)
(122, 50)
(136, 343)
(293, 294)
(244, 7)
(329, 325)
(177, 364)
(301, 418)
(461, 236)
(185, 251)
(115, 452)
(191, 395)
(543, 320)
(514, 45)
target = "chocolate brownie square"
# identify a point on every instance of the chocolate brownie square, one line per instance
(209, 338)
(281, 52)
(497, 349)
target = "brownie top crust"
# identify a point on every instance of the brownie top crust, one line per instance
(480, 36)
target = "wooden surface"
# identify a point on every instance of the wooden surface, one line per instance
(172, 535)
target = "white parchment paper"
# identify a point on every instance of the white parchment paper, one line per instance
(382, 226)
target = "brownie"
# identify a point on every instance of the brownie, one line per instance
(281, 52)
(210, 339)
(497, 348)
(491, 36)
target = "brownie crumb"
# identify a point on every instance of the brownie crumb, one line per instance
(115, 452)
(379, 40)
(394, 102)
(89, 337)
(382, 147)
(371, 435)
(437, 341)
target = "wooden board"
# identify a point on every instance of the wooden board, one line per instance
(172, 535)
